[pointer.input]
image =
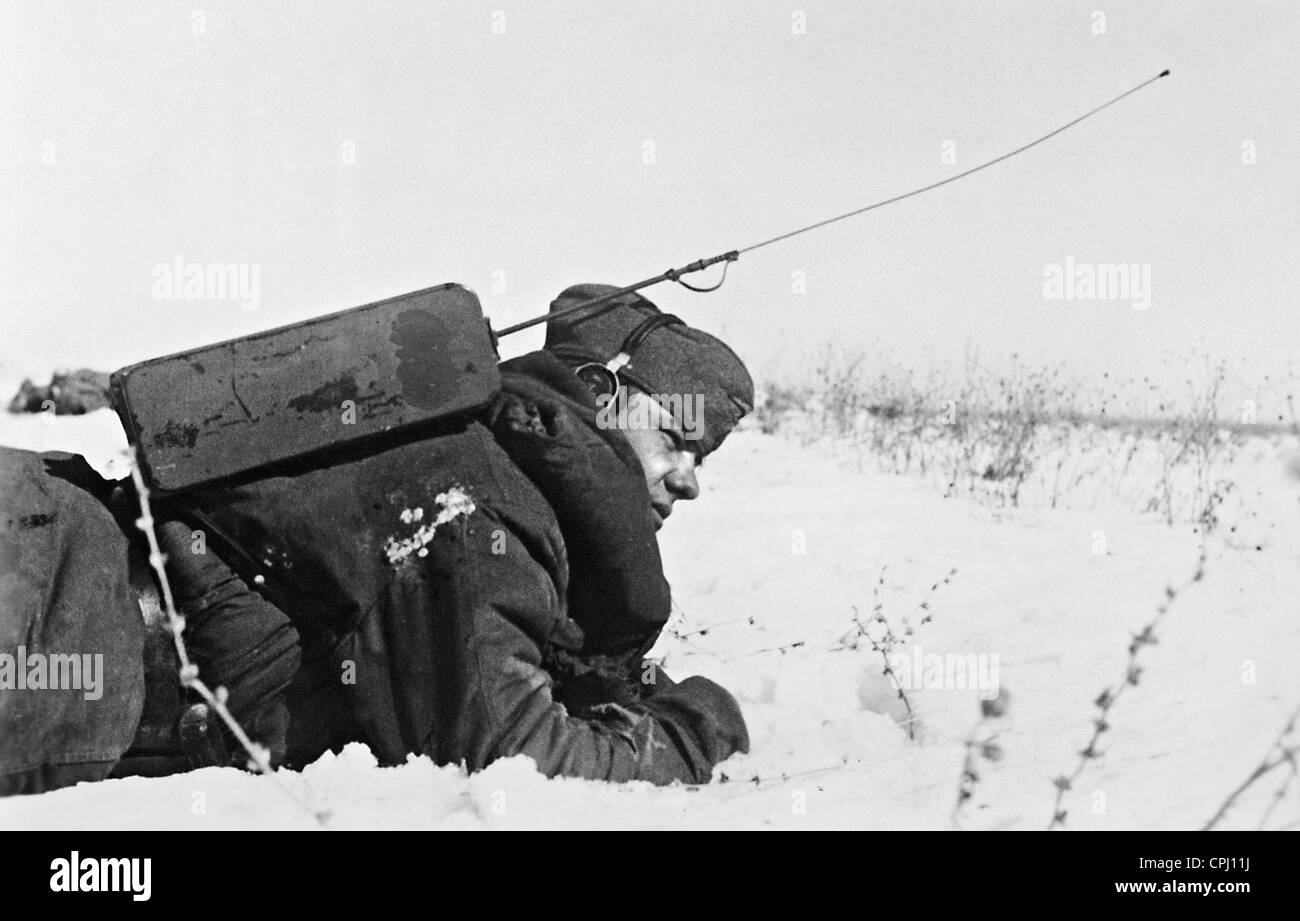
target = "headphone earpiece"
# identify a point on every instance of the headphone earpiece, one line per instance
(600, 380)
(603, 379)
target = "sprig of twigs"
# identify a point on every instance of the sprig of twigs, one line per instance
(259, 757)
(1107, 699)
(980, 746)
(705, 631)
(887, 640)
(1285, 750)
(785, 776)
(783, 649)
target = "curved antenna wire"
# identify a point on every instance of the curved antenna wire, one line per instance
(733, 255)
(961, 175)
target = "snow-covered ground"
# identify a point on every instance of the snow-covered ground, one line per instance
(784, 543)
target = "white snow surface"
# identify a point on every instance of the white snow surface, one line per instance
(785, 540)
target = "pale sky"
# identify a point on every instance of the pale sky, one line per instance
(506, 145)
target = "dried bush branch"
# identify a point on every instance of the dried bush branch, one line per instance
(980, 746)
(883, 640)
(1107, 699)
(259, 757)
(1028, 435)
(1284, 751)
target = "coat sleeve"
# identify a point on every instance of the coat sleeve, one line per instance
(503, 614)
(238, 639)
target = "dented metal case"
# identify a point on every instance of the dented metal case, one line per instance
(296, 391)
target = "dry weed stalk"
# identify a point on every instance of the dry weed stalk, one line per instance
(259, 757)
(1285, 750)
(887, 640)
(980, 746)
(1107, 699)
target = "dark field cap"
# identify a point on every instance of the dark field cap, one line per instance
(672, 360)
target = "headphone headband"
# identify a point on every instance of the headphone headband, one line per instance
(603, 378)
(645, 328)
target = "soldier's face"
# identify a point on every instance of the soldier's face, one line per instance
(666, 455)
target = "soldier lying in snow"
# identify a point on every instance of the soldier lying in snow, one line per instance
(487, 592)
(69, 393)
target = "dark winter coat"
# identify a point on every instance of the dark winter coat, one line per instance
(64, 592)
(516, 625)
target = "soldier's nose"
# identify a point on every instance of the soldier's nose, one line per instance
(682, 481)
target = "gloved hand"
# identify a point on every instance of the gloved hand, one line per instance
(703, 719)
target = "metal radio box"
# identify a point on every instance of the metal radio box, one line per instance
(224, 409)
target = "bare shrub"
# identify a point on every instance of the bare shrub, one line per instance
(1026, 435)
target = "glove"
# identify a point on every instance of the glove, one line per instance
(702, 720)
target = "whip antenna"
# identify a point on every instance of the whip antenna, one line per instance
(961, 175)
(733, 255)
